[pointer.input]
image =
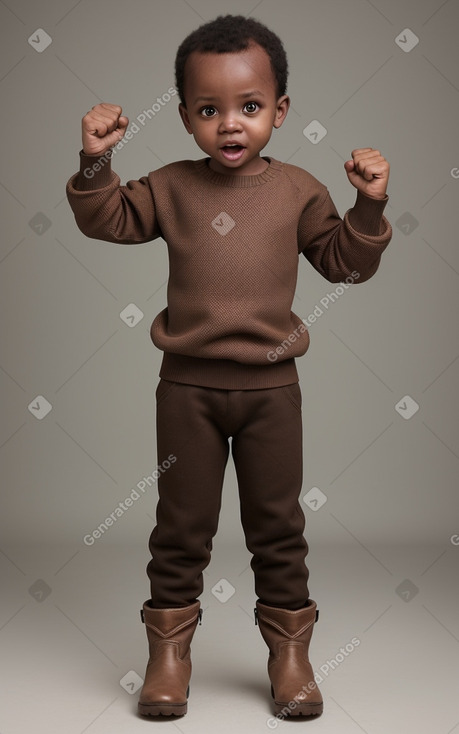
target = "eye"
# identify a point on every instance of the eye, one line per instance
(208, 111)
(251, 107)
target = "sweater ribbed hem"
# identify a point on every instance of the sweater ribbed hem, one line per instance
(226, 374)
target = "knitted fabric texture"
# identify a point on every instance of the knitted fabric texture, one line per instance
(234, 244)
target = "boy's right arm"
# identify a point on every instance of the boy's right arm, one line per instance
(103, 208)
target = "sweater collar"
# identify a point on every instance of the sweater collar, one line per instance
(234, 181)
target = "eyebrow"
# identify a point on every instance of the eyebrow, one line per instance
(244, 95)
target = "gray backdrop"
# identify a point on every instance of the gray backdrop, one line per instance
(379, 382)
(386, 476)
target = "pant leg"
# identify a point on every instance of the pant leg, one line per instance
(267, 452)
(189, 491)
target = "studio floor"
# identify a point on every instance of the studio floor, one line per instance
(73, 649)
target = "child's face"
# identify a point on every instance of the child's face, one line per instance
(231, 98)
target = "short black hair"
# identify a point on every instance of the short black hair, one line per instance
(229, 34)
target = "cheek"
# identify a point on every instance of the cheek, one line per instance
(262, 126)
(203, 127)
(264, 119)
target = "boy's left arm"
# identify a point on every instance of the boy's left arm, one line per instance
(337, 248)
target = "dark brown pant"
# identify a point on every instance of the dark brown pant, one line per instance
(193, 425)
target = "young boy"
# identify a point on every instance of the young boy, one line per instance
(235, 223)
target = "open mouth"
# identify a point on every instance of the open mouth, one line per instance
(232, 152)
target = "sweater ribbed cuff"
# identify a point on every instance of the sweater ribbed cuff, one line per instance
(95, 171)
(366, 215)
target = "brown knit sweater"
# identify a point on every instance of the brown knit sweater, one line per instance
(234, 243)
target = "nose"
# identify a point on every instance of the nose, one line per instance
(230, 123)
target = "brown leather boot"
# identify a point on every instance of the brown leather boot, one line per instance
(287, 634)
(166, 685)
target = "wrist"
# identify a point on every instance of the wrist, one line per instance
(95, 155)
(377, 198)
(380, 197)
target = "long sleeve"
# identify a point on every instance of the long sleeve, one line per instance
(233, 245)
(336, 247)
(105, 210)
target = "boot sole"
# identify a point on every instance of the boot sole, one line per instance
(162, 709)
(301, 709)
(156, 708)
(311, 709)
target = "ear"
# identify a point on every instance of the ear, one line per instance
(185, 118)
(282, 107)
